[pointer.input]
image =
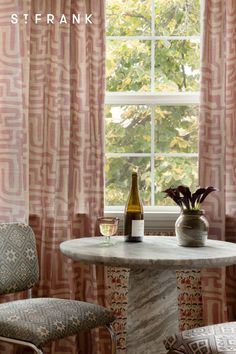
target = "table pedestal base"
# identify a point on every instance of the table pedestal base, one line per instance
(152, 310)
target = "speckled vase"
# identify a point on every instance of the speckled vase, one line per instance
(191, 228)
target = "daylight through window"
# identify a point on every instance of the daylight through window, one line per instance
(152, 83)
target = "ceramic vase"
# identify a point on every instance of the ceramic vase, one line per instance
(191, 228)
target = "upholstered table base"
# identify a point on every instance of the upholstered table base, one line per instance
(152, 310)
(215, 339)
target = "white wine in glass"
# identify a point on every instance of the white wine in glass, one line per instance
(108, 227)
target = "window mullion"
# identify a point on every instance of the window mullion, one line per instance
(153, 156)
(152, 108)
(153, 37)
(152, 66)
(153, 49)
(168, 98)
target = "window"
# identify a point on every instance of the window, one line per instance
(152, 83)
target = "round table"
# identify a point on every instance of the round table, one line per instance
(152, 294)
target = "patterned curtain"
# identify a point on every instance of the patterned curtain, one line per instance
(52, 86)
(218, 149)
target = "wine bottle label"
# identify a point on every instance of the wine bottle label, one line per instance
(137, 228)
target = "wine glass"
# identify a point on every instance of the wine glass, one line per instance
(108, 227)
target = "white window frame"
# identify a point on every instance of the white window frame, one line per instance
(156, 217)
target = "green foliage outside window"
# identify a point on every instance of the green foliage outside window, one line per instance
(128, 68)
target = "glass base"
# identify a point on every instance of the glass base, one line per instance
(106, 241)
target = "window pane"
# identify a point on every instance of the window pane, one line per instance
(171, 172)
(118, 179)
(128, 17)
(128, 65)
(177, 65)
(177, 17)
(176, 129)
(128, 129)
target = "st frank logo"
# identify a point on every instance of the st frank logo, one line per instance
(51, 19)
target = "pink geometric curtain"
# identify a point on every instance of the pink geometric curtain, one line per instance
(52, 83)
(218, 149)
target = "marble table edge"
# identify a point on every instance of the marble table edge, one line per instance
(135, 262)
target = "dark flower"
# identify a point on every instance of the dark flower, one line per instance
(183, 197)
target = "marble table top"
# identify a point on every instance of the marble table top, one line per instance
(161, 252)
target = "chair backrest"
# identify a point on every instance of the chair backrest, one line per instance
(19, 268)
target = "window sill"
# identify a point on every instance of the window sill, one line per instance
(156, 219)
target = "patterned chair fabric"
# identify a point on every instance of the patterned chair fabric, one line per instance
(220, 338)
(43, 320)
(39, 320)
(19, 268)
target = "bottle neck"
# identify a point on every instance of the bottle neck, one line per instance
(134, 197)
(134, 185)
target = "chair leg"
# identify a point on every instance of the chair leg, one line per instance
(39, 351)
(113, 339)
(21, 342)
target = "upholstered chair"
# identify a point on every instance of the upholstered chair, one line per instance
(35, 322)
(214, 339)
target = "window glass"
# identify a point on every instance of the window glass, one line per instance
(176, 129)
(124, 127)
(118, 178)
(128, 65)
(173, 171)
(177, 65)
(128, 17)
(177, 17)
(152, 76)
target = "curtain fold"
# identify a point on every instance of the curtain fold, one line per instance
(217, 149)
(52, 142)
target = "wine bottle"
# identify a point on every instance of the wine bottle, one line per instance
(133, 218)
